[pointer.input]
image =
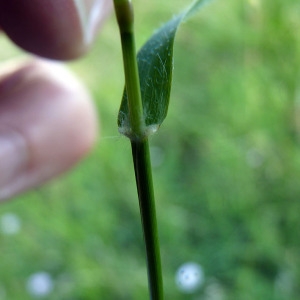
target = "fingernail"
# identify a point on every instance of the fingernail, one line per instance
(90, 13)
(13, 160)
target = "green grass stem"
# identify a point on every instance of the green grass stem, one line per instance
(140, 148)
(143, 174)
(124, 13)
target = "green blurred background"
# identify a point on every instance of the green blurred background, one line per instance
(226, 169)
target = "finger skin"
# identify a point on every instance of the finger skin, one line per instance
(53, 117)
(48, 28)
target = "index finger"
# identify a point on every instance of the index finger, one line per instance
(57, 29)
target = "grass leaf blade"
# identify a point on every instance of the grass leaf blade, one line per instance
(155, 64)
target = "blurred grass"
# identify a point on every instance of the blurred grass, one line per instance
(227, 187)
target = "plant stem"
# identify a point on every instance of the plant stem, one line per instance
(140, 148)
(143, 174)
(124, 13)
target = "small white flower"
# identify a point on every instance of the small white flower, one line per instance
(189, 277)
(40, 284)
(10, 224)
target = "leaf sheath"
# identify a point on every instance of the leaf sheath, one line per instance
(143, 175)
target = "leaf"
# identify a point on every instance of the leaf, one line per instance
(155, 64)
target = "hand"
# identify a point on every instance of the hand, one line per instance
(47, 119)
